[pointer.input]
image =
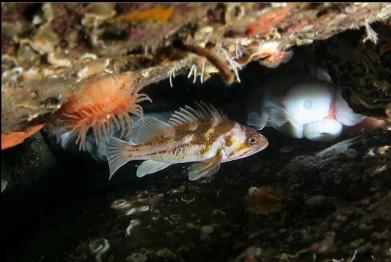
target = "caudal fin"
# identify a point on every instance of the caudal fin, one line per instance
(117, 154)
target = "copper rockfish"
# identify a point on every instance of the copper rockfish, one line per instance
(204, 135)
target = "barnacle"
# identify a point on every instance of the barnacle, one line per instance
(215, 59)
(267, 53)
(103, 103)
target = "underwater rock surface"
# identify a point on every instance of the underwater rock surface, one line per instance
(50, 51)
(297, 200)
(329, 201)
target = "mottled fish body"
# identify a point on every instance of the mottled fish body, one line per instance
(202, 135)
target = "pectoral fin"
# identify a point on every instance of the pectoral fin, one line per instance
(344, 113)
(150, 167)
(205, 168)
(322, 130)
(292, 127)
(256, 120)
(276, 115)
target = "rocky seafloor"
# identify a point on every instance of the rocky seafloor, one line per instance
(296, 201)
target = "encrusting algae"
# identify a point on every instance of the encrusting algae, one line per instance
(156, 13)
(16, 138)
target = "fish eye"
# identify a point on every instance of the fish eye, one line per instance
(252, 140)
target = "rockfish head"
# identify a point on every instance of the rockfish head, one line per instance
(243, 142)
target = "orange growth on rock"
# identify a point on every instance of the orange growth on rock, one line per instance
(267, 21)
(385, 48)
(156, 13)
(16, 138)
(102, 104)
(269, 55)
(263, 201)
(276, 59)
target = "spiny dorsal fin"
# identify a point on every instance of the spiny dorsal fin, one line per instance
(190, 115)
(145, 129)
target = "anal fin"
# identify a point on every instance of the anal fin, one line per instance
(150, 167)
(205, 168)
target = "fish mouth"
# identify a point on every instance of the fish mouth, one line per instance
(253, 151)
